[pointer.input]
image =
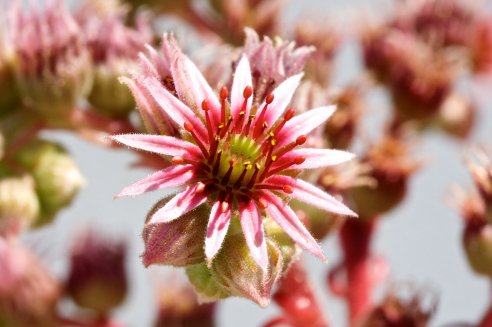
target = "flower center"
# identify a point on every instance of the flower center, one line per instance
(243, 151)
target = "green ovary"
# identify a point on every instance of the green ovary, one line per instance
(244, 151)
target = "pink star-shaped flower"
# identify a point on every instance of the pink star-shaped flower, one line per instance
(237, 156)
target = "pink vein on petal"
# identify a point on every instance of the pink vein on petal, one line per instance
(242, 79)
(218, 224)
(165, 178)
(180, 204)
(160, 144)
(304, 123)
(306, 192)
(253, 233)
(290, 223)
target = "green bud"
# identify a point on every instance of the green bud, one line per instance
(108, 95)
(207, 289)
(478, 249)
(18, 202)
(177, 243)
(235, 270)
(289, 249)
(57, 177)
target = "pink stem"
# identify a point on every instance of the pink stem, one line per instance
(298, 300)
(355, 238)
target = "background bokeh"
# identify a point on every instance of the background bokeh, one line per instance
(421, 239)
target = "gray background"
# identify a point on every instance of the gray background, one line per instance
(421, 239)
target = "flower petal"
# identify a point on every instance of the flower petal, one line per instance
(160, 144)
(290, 223)
(281, 99)
(180, 204)
(155, 118)
(309, 193)
(218, 225)
(253, 233)
(177, 110)
(169, 177)
(192, 87)
(242, 79)
(304, 123)
(315, 158)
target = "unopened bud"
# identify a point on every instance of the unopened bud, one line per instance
(457, 116)
(19, 205)
(177, 243)
(108, 95)
(97, 278)
(28, 292)
(205, 285)
(478, 249)
(235, 270)
(57, 176)
(56, 70)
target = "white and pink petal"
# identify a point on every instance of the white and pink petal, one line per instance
(180, 204)
(308, 193)
(285, 217)
(218, 225)
(170, 177)
(252, 226)
(315, 158)
(242, 79)
(304, 123)
(160, 144)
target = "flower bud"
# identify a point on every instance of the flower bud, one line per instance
(19, 205)
(478, 248)
(457, 115)
(390, 168)
(205, 285)
(57, 177)
(28, 292)
(56, 70)
(235, 270)
(97, 278)
(177, 243)
(178, 306)
(108, 95)
(404, 305)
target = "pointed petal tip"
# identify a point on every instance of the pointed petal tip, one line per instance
(263, 301)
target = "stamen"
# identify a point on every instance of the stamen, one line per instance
(260, 123)
(217, 163)
(226, 177)
(247, 167)
(224, 93)
(288, 115)
(252, 180)
(189, 127)
(297, 161)
(285, 188)
(263, 203)
(299, 141)
(205, 107)
(177, 160)
(248, 125)
(213, 148)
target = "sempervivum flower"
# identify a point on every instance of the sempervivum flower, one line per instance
(241, 158)
(55, 69)
(113, 52)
